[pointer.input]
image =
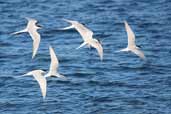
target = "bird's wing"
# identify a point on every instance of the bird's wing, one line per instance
(18, 32)
(98, 47)
(130, 34)
(54, 61)
(42, 83)
(84, 31)
(66, 28)
(36, 41)
(139, 53)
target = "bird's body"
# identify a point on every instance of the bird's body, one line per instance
(131, 42)
(54, 65)
(38, 75)
(87, 36)
(32, 28)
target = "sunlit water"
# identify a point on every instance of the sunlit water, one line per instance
(120, 84)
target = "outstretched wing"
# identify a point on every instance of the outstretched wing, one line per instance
(54, 61)
(36, 41)
(18, 32)
(42, 83)
(130, 34)
(84, 31)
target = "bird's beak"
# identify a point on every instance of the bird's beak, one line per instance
(39, 26)
(139, 46)
(100, 42)
(24, 74)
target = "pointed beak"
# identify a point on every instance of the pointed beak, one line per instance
(24, 74)
(100, 42)
(83, 24)
(39, 26)
(139, 46)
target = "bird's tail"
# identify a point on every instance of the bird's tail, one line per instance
(35, 48)
(34, 54)
(89, 46)
(83, 44)
(61, 77)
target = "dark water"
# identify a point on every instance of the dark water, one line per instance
(121, 84)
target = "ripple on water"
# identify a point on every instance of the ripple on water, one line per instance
(120, 84)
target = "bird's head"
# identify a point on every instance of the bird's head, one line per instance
(83, 24)
(38, 26)
(97, 41)
(138, 46)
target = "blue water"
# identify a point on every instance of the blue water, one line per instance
(120, 84)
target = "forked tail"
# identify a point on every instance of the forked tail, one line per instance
(61, 77)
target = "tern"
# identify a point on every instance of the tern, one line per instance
(131, 42)
(38, 75)
(32, 28)
(87, 36)
(54, 65)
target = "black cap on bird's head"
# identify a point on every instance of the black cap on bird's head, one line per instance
(39, 26)
(83, 24)
(99, 41)
(139, 46)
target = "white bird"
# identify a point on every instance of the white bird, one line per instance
(38, 75)
(131, 43)
(32, 28)
(87, 36)
(54, 65)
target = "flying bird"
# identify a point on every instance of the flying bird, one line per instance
(131, 42)
(54, 65)
(32, 28)
(87, 36)
(38, 75)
